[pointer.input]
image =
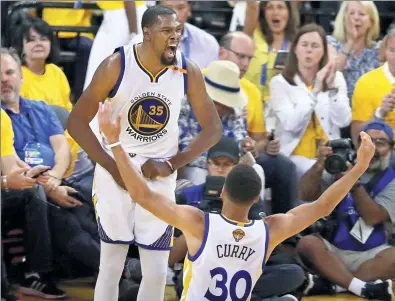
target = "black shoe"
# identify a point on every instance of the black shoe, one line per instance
(128, 290)
(378, 290)
(34, 286)
(319, 286)
(9, 297)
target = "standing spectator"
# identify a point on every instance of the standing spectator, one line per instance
(280, 172)
(272, 24)
(121, 22)
(357, 26)
(196, 44)
(374, 95)
(309, 99)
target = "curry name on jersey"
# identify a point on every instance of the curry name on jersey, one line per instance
(229, 261)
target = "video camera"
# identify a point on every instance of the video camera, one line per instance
(212, 201)
(342, 152)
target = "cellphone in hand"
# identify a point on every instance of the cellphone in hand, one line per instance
(280, 59)
(40, 173)
(272, 135)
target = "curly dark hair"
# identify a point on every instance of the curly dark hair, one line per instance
(22, 32)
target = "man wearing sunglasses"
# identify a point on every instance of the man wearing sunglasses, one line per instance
(356, 253)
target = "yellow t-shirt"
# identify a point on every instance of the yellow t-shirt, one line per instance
(112, 5)
(368, 95)
(307, 146)
(7, 135)
(255, 121)
(68, 17)
(51, 87)
(262, 56)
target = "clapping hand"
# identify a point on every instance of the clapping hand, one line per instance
(366, 150)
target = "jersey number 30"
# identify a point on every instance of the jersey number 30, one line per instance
(223, 285)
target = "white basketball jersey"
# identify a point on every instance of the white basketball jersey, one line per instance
(149, 105)
(229, 261)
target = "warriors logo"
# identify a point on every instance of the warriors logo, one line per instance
(149, 115)
(238, 234)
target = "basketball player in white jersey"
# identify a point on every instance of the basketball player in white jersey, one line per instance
(146, 83)
(227, 252)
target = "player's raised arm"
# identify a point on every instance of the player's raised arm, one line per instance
(186, 218)
(206, 115)
(282, 226)
(86, 108)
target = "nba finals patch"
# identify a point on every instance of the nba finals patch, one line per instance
(238, 234)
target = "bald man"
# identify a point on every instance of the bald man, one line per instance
(279, 170)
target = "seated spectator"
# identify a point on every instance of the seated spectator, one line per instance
(357, 26)
(42, 78)
(221, 159)
(374, 95)
(309, 99)
(196, 44)
(273, 25)
(223, 86)
(238, 48)
(351, 251)
(16, 179)
(69, 41)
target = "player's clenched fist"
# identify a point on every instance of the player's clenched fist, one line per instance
(366, 149)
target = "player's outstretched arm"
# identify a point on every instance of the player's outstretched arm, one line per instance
(86, 108)
(186, 218)
(283, 226)
(207, 116)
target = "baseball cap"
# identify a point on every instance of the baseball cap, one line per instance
(381, 126)
(226, 147)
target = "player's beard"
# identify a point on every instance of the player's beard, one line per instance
(166, 62)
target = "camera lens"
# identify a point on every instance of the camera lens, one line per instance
(335, 164)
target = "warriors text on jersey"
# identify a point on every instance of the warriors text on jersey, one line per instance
(229, 261)
(149, 105)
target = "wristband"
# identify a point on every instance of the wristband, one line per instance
(171, 166)
(114, 144)
(347, 54)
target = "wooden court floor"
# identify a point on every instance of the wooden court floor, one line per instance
(82, 290)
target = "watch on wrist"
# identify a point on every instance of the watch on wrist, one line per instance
(4, 183)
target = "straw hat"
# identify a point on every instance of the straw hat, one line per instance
(223, 84)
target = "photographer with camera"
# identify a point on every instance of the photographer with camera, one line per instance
(221, 158)
(350, 252)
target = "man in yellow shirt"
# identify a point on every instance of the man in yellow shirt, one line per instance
(374, 94)
(280, 172)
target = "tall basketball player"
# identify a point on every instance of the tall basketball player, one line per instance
(146, 83)
(227, 252)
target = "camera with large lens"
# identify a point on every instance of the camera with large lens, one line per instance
(326, 227)
(342, 152)
(212, 189)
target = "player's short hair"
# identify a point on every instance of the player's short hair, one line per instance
(243, 185)
(152, 13)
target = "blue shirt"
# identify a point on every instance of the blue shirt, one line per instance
(35, 123)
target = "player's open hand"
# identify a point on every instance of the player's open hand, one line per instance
(366, 150)
(153, 169)
(111, 129)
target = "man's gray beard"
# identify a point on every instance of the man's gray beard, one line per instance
(381, 164)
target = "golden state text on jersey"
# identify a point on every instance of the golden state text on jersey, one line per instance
(149, 104)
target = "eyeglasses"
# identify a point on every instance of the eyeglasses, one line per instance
(241, 56)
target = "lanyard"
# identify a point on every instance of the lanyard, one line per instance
(187, 46)
(284, 46)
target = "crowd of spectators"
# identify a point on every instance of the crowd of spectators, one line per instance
(287, 119)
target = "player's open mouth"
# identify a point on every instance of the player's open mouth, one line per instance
(171, 51)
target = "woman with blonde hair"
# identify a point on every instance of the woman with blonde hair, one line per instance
(357, 27)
